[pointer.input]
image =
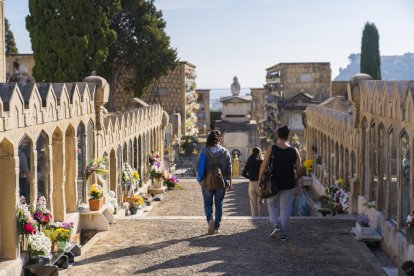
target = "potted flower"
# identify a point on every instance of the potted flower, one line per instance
(362, 225)
(308, 165)
(410, 228)
(171, 181)
(96, 197)
(63, 237)
(135, 201)
(39, 246)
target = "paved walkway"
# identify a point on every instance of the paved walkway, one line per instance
(172, 240)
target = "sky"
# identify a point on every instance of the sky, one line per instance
(227, 38)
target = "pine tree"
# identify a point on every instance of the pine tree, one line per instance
(70, 39)
(142, 45)
(9, 39)
(370, 54)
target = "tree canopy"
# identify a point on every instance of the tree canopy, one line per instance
(70, 39)
(11, 47)
(370, 54)
(142, 45)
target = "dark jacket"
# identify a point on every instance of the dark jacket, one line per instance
(223, 161)
(252, 168)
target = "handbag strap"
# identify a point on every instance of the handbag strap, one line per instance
(271, 157)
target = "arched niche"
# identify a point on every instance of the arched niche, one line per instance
(71, 152)
(405, 161)
(26, 183)
(383, 161)
(81, 164)
(394, 177)
(8, 229)
(58, 166)
(134, 154)
(43, 167)
(366, 159)
(125, 153)
(140, 160)
(373, 164)
(119, 173)
(112, 171)
(130, 153)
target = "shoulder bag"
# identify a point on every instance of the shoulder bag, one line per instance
(267, 184)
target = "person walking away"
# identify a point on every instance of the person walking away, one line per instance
(251, 171)
(287, 174)
(214, 153)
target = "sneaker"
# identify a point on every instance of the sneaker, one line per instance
(283, 237)
(217, 231)
(211, 227)
(275, 232)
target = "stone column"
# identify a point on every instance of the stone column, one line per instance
(2, 44)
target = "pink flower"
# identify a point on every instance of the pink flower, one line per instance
(30, 229)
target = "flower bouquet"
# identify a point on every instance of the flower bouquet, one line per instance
(308, 165)
(41, 214)
(39, 245)
(26, 224)
(97, 166)
(362, 224)
(171, 181)
(410, 228)
(135, 201)
(338, 199)
(156, 171)
(96, 197)
(154, 157)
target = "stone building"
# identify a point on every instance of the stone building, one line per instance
(2, 43)
(258, 105)
(19, 68)
(291, 88)
(203, 111)
(58, 129)
(368, 141)
(176, 93)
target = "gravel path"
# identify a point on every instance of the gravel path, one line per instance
(172, 240)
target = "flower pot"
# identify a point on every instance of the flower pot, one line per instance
(410, 235)
(157, 183)
(363, 230)
(36, 259)
(95, 204)
(133, 210)
(62, 245)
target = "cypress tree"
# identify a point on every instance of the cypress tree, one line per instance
(9, 39)
(142, 45)
(70, 39)
(370, 55)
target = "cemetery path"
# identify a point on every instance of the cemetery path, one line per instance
(172, 240)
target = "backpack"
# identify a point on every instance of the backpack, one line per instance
(214, 179)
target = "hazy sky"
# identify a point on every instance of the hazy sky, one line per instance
(227, 38)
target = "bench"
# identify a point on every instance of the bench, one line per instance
(50, 267)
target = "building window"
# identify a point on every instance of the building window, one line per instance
(305, 78)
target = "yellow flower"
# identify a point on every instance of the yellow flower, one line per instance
(136, 174)
(308, 164)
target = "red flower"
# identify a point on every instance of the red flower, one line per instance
(30, 229)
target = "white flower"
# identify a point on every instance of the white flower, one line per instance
(410, 219)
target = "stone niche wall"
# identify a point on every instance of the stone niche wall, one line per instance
(70, 122)
(371, 148)
(311, 78)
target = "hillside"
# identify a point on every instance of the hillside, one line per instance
(392, 67)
